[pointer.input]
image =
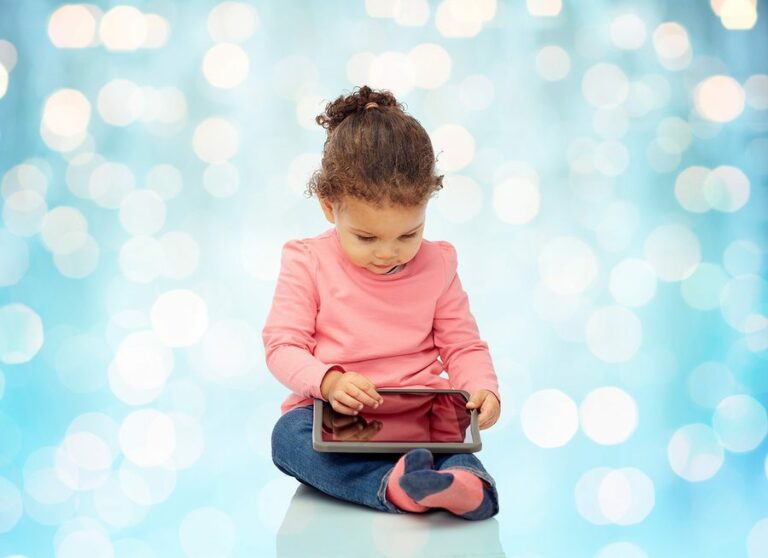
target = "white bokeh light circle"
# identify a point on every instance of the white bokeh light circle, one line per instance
(451, 19)
(628, 31)
(190, 442)
(73, 26)
(393, 71)
(626, 496)
(21, 334)
(743, 298)
(64, 230)
(229, 348)
(113, 506)
(221, 181)
(66, 113)
(672, 46)
(621, 550)
(142, 212)
(165, 180)
(461, 198)
(206, 532)
(123, 28)
(146, 486)
(454, 147)
(142, 361)
(605, 85)
(110, 183)
(740, 423)
(147, 437)
(24, 177)
(215, 140)
(85, 542)
(673, 251)
(616, 227)
(694, 453)
(632, 282)
(83, 461)
(611, 158)
(709, 383)
(226, 65)
(142, 259)
(179, 317)
(81, 262)
(756, 91)
(702, 289)
(689, 189)
(614, 334)
(719, 98)
(608, 415)
(567, 265)
(553, 63)
(181, 255)
(432, 65)
(549, 418)
(726, 189)
(232, 21)
(120, 102)
(516, 200)
(585, 495)
(757, 539)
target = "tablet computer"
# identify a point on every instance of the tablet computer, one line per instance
(435, 419)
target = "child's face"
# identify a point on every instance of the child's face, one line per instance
(374, 238)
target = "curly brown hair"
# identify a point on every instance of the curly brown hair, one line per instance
(375, 152)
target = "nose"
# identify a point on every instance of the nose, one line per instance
(385, 253)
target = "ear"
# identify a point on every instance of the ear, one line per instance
(327, 208)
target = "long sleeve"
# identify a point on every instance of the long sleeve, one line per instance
(288, 334)
(465, 356)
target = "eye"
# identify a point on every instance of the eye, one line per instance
(412, 235)
(365, 238)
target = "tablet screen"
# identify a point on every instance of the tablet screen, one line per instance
(402, 417)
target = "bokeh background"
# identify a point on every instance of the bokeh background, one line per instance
(606, 173)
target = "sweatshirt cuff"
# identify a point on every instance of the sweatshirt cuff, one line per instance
(314, 389)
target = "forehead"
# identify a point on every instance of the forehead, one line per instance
(384, 220)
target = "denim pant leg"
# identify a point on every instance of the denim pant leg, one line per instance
(471, 463)
(358, 478)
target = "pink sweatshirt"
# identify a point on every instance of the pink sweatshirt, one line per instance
(327, 312)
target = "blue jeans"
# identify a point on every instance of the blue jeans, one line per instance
(354, 477)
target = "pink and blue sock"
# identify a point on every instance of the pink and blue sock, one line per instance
(416, 487)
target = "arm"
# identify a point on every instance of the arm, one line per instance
(465, 356)
(289, 332)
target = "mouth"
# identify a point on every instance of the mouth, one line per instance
(390, 266)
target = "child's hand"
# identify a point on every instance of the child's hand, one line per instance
(489, 406)
(349, 391)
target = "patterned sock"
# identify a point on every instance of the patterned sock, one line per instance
(415, 460)
(456, 490)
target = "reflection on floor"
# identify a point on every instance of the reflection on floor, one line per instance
(318, 525)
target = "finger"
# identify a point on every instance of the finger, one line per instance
(340, 407)
(370, 390)
(346, 399)
(362, 396)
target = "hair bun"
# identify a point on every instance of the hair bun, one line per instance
(359, 101)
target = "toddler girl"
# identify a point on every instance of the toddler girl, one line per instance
(370, 304)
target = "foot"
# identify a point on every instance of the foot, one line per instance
(456, 490)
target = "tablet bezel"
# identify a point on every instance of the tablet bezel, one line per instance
(396, 447)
